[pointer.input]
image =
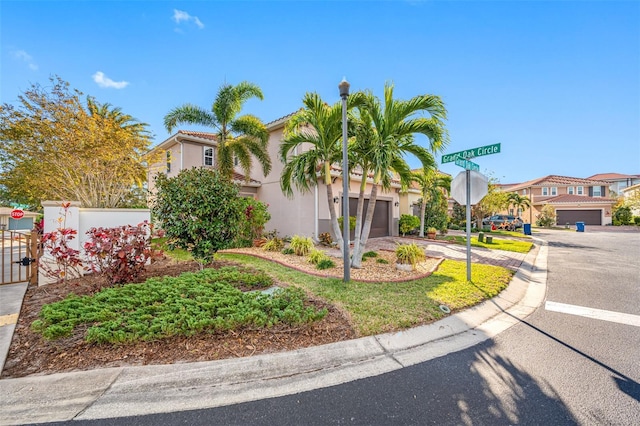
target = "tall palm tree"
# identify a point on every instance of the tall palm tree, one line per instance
(237, 136)
(432, 184)
(319, 125)
(393, 126)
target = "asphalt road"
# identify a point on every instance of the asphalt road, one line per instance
(558, 367)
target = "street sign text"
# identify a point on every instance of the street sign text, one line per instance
(468, 154)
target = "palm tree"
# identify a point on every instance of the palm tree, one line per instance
(391, 137)
(432, 184)
(237, 136)
(319, 125)
(518, 202)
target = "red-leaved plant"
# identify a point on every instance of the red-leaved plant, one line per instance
(60, 261)
(121, 253)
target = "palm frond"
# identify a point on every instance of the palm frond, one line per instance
(188, 114)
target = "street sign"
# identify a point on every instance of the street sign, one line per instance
(468, 154)
(468, 165)
(17, 214)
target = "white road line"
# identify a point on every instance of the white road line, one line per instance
(599, 314)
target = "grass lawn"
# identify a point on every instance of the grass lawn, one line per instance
(497, 244)
(381, 307)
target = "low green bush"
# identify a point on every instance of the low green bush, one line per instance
(325, 263)
(408, 223)
(273, 244)
(315, 256)
(205, 301)
(381, 260)
(409, 254)
(301, 245)
(287, 250)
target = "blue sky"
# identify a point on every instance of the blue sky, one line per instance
(556, 83)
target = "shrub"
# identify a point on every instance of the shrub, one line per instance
(636, 220)
(287, 250)
(119, 254)
(254, 217)
(382, 261)
(325, 264)
(301, 245)
(273, 244)
(325, 239)
(61, 261)
(352, 223)
(408, 223)
(369, 254)
(315, 256)
(547, 216)
(200, 211)
(622, 215)
(409, 254)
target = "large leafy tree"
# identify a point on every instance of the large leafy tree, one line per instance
(432, 186)
(318, 128)
(53, 146)
(495, 201)
(239, 136)
(392, 125)
(200, 211)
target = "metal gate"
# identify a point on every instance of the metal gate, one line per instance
(19, 257)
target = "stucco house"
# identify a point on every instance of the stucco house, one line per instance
(574, 199)
(617, 181)
(632, 192)
(305, 213)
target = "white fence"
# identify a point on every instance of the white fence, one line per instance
(57, 216)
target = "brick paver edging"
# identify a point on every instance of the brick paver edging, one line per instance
(417, 277)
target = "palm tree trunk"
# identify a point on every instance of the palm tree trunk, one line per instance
(423, 210)
(358, 230)
(356, 260)
(334, 218)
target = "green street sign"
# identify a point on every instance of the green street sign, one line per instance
(468, 165)
(468, 154)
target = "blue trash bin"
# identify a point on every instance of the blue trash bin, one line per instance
(579, 226)
(526, 228)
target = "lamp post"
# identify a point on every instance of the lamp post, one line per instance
(344, 94)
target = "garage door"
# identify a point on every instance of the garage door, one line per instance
(20, 224)
(589, 217)
(380, 224)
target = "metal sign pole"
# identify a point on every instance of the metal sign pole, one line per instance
(468, 176)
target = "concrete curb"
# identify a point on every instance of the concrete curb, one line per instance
(128, 391)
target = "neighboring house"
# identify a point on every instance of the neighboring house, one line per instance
(617, 181)
(574, 199)
(9, 224)
(632, 192)
(305, 213)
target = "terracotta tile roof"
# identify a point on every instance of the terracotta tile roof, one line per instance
(555, 180)
(281, 120)
(241, 179)
(573, 199)
(613, 176)
(202, 135)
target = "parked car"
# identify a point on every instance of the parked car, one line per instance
(503, 221)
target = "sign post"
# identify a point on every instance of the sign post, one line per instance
(473, 193)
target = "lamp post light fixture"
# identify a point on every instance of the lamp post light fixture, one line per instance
(344, 94)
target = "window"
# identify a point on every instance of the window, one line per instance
(168, 161)
(579, 190)
(524, 192)
(208, 156)
(570, 190)
(554, 190)
(235, 160)
(597, 191)
(545, 190)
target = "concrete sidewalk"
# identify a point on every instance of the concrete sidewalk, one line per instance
(128, 391)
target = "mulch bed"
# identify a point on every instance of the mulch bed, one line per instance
(30, 354)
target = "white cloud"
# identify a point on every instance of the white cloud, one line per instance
(104, 81)
(25, 57)
(180, 16)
